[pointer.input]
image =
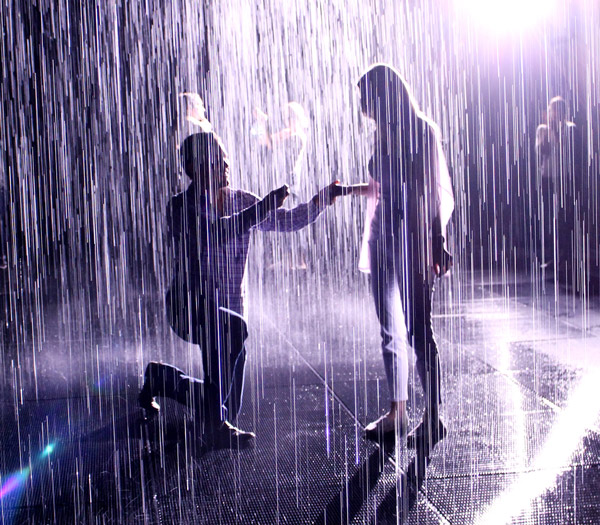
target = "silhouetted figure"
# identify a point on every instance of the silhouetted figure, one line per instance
(287, 145)
(544, 215)
(293, 138)
(409, 178)
(283, 155)
(210, 225)
(559, 189)
(193, 115)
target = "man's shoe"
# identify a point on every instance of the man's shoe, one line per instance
(426, 435)
(228, 436)
(148, 403)
(384, 429)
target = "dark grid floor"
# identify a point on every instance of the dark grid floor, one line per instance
(522, 402)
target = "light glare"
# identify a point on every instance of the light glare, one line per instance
(508, 16)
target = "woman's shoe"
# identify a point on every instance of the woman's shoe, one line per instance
(228, 436)
(386, 428)
(426, 435)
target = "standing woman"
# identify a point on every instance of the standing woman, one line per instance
(409, 177)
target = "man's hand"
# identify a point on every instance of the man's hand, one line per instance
(276, 198)
(328, 194)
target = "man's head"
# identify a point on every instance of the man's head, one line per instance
(204, 159)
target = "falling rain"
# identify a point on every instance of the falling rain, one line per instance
(300, 262)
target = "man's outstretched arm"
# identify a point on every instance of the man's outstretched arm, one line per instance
(281, 220)
(239, 223)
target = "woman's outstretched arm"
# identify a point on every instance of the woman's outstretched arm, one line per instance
(362, 189)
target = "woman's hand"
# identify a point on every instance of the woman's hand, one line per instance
(354, 189)
(442, 260)
(328, 194)
(364, 189)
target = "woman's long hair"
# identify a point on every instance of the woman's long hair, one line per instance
(388, 95)
(393, 105)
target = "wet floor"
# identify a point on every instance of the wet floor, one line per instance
(521, 369)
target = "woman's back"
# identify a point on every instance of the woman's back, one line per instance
(400, 167)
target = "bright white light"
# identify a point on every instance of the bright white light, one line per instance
(562, 442)
(505, 16)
